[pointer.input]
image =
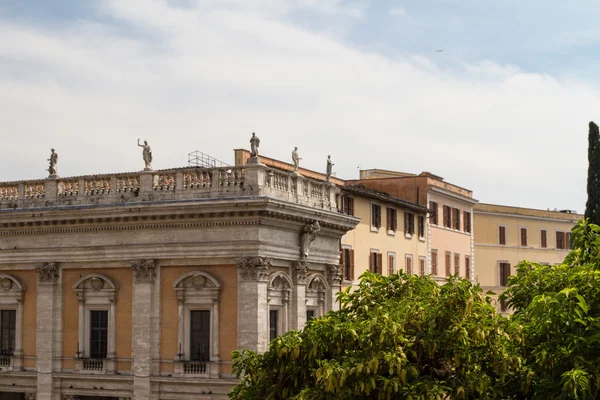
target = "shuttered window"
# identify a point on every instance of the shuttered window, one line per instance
(433, 206)
(376, 261)
(544, 238)
(434, 262)
(448, 264)
(504, 273)
(467, 222)
(501, 235)
(568, 240)
(456, 218)
(560, 240)
(392, 219)
(409, 269)
(347, 205)
(421, 226)
(523, 236)
(409, 223)
(422, 265)
(447, 217)
(348, 264)
(376, 216)
(457, 264)
(391, 264)
(467, 267)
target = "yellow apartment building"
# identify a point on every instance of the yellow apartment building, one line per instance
(391, 235)
(449, 227)
(505, 236)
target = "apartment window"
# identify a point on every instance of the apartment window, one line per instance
(422, 266)
(503, 305)
(376, 261)
(504, 273)
(434, 262)
(409, 269)
(457, 264)
(421, 227)
(467, 221)
(347, 205)
(501, 235)
(409, 223)
(560, 240)
(568, 240)
(199, 335)
(448, 263)
(310, 314)
(98, 333)
(348, 264)
(447, 217)
(392, 219)
(456, 218)
(375, 216)
(523, 237)
(467, 267)
(544, 238)
(8, 331)
(433, 206)
(273, 322)
(391, 263)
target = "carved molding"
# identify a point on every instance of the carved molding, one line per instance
(254, 268)
(47, 272)
(334, 274)
(300, 272)
(143, 271)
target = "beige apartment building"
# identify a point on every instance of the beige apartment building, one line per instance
(505, 236)
(449, 226)
(140, 285)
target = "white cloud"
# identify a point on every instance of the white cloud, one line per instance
(205, 77)
(398, 12)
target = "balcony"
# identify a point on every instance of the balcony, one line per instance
(91, 364)
(94, 366)
(197, 369)
(194, 367)
(168, 185)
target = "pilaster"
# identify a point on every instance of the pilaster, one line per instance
(252, 305)
(299, 295)
(334, 279)
(141, 321)
(47, 274)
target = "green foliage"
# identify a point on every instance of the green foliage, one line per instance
(592, 207)
(558, 308)
(396, 337)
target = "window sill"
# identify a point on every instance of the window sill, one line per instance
(391, 233)
(374, 229)
(408, 236)
(421, 238)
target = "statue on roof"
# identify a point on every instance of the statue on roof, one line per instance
(146, 155)
(296, 159)
(329, 168)
(53, 168)
(254, 143)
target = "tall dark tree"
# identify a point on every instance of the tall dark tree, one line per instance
(592, 207)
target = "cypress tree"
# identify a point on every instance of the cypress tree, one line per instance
(592, 207)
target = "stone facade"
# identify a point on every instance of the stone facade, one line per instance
(148, 249)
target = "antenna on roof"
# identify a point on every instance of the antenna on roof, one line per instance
(199, 159)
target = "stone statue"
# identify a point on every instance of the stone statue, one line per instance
(296, 159)
(53, 168)
(309, 234)
(329, 167)
(146, 154)
(254, 143)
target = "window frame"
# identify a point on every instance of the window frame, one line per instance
(348, 204)
(448, 265)
(422, 266)
(560, 234)
(447, 216)
(391, 256)
(456, 218)
(468, 267)
(391, 215)
(523, 229)
(409, 224)
(12, 292)
(467, 226)
(347, 262)
(543, 238)
(433, 205)
(421, 226)
(408, 264)
(501, 235)
(375, 217)
(434, 265)
(500, 275)
(457, 264)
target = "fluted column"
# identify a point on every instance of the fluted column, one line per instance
(253, 317)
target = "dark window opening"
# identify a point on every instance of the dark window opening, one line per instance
(273, 317)
(200, 335)
(7, 331)
(98, 333)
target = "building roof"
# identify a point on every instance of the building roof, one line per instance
(373, 194)
(566, 215)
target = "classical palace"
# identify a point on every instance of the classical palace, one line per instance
(140, 285)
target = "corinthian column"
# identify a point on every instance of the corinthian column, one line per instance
(299, 295)
(253, 318)
(47, 274)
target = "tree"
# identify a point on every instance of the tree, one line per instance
(559, 310)
(592, 207)
(396, 337)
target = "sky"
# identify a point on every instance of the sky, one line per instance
(503, 110)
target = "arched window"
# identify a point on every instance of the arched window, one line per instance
(11, 323)
(280, 286)
(316, 296)
(96, 345)
(198, 296)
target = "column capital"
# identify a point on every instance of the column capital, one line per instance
(254, 268)
(300, 272)
(334, 274)
(143, 271)
(47, 272)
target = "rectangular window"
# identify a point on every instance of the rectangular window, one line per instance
(467, 221)
(200, 335)
(456, 218)
(347, 205)
(310, 314)
(421, 226)
(348, 264)
(560, 240)
(457, 264)
(568, 240)
(503, 305)
(375, 216)
(392, 219)
(422, 265)
(7, 331)
(447, 217)
(504, 273)
(391, 263)
(448, 264)
(98, 333)
(523, 236)
(273, 321)
(467, 267)
(501, 235)
(376, 261)
(544, 238)
(434, 262)
(433, 206)
(409, 269)
(409, 223)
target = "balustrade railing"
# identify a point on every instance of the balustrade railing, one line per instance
(127, 184)
(9, 192)
(97, 186)
(68, 188)
(194, 367)
(165, 181)
(35, 190)
(4, 361)
(93, 364)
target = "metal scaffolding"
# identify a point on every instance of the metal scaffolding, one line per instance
(199, 159)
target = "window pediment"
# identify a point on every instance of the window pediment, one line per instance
(197, 286)
(11, 288)
(96, 287)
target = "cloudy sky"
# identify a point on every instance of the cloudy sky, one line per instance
(503, 110)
